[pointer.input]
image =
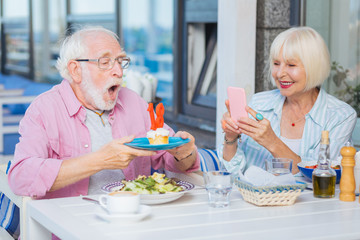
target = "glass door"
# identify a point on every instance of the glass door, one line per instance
(339, 24)
(197, 67)
(16, 38)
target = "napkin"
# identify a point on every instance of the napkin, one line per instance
(357, 159)
(259, 177)
(357, 172)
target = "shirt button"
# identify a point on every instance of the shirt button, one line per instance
(112, 118)
(86, 146)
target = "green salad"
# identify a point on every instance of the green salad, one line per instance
(154, 184)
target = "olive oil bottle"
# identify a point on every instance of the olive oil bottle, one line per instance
(324, 177)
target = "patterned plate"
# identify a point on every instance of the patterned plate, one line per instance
(153, 198)
(143, 143)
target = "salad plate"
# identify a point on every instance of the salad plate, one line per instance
(143, 143)
(143, 212)
(153, 198)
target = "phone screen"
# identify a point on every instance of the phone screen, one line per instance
(237, 102)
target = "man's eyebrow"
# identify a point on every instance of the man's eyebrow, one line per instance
(122, 54)
(107, 54)
(104, 54)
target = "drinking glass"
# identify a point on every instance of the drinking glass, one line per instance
(218, 184)
(279, 166)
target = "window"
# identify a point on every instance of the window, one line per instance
(49, 24)
(16, 38)
(197, 67)
(94, 12)
(339, 24)
(147, 33)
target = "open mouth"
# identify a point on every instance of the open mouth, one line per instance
(113, 89)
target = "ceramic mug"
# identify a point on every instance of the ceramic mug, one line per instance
(120, 202)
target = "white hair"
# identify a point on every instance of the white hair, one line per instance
(74, 46)
(305, 44)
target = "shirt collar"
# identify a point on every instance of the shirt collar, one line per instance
(71, 102)
(275, 104)
(318, 111)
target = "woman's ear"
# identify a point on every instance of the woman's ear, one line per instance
(74, 70)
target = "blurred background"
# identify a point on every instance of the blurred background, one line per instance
(176, 41)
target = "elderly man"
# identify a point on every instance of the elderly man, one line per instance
(72, 137)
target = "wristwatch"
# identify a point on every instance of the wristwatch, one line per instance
(233, 141)
(179, 160)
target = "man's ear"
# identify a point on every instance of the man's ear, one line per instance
(74, 70)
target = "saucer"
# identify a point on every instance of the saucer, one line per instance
(143, 212)
(143, 143)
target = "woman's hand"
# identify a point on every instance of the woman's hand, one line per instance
(259, 130)
(230, 128)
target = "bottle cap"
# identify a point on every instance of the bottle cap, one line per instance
(325, 137)
(325, 134)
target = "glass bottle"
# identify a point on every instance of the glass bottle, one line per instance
(324, 177)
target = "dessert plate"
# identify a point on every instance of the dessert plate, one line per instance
(152, 198)
(143, 212)
(143, 143)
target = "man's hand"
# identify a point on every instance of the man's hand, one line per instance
(186, 149)
(186, 154)
(116, 155)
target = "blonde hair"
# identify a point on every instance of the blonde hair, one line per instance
(74, 47)
(305, 44)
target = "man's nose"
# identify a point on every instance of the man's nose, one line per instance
(117, 70)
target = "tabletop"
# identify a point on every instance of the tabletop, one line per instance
(190, 217)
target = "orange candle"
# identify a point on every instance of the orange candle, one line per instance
(152, 116)
(160, 110)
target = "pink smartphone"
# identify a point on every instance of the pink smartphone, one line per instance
(237, 102)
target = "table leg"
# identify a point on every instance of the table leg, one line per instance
(37, 231)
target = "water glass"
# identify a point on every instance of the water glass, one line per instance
(218, 185)
(279, 166)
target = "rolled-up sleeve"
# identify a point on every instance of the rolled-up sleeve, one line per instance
(32, 172)
(237, 163)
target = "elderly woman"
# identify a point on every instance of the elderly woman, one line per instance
(287, 122)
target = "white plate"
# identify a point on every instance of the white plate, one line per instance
(160, 198)
(144, 211)
(152, 198)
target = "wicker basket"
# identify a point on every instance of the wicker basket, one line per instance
(270, 196)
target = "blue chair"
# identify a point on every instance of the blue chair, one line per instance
(209, 160)
(12, 209)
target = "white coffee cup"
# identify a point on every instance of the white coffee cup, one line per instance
(120, 202)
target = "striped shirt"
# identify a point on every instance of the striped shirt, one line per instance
(328, 113)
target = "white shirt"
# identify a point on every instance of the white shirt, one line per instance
(328, 113)
(293, 144)
(100, 135)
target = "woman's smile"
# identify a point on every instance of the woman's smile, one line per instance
(285, 84)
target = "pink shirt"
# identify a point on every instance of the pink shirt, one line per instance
(53, 130)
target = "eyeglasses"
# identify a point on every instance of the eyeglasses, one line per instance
(107, 63)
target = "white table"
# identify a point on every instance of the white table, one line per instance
(190, 218)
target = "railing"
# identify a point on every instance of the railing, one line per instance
(6, 98)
